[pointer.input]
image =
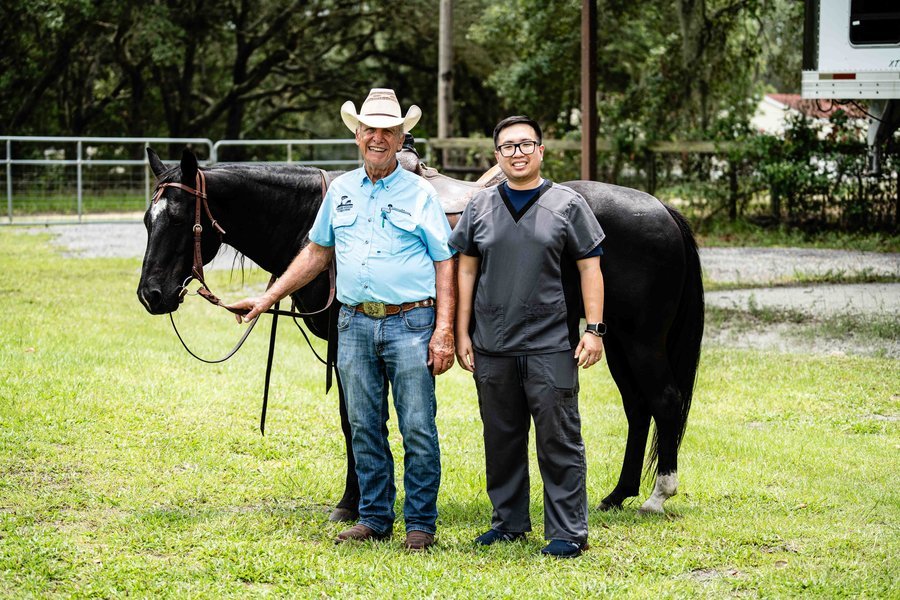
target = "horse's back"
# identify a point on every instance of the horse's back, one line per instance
(644, 255)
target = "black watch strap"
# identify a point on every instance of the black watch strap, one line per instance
(598, 329)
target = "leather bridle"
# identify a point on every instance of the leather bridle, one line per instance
(202, 205)
(202, 200)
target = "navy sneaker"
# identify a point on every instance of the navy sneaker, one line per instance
(492, 536)
(564, 549)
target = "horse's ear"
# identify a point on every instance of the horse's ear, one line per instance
(188, 167)
(156, 165)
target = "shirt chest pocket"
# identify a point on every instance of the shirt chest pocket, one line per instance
(401, 231)
(344, 240)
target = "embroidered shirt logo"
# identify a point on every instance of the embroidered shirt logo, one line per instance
(344, 205)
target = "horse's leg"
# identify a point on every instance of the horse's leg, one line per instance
(666, 409)
(638, 416)
(659, 387)
(348, 508)
(641, 368)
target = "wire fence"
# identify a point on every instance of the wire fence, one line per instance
(817, 182)
(96, 179)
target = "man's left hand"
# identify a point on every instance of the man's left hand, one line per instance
(440, 350)
(589, 350)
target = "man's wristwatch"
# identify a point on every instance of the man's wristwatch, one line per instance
(598, 329)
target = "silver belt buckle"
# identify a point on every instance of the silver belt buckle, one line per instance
(374, 309)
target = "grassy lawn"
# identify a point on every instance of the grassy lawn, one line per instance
(128, 468)
(744, 233)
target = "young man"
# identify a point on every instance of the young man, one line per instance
(396, 279)
(512, 240)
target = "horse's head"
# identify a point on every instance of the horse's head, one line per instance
(170, 239)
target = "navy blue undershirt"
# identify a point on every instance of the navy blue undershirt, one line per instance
(520, 198)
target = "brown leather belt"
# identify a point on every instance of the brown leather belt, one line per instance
(380, 310)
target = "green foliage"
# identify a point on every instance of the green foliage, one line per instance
(743, 232)
(812, 178)
(684, 70)
(234, 69)
(535, 48)
(127, 468)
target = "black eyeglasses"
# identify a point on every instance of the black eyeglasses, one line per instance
(526, 147)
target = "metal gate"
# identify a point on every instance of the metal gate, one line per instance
(102, 179)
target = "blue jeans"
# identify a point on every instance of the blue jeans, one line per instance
(372, 353)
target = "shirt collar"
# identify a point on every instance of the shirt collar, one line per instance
(388, 182)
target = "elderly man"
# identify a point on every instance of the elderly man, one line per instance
(513, 240)
(396, 279)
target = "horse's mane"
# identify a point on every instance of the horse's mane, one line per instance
(280, 175)
(285, 176)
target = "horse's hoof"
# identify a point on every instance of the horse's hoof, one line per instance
(608, 506)
(645, 511)
(342, 515)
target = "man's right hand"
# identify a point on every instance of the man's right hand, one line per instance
(251, 307)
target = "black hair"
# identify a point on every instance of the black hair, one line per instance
(515, 120)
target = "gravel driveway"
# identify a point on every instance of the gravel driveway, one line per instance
(751, 266)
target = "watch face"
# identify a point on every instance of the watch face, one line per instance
(600, 328)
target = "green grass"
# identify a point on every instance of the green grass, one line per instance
(66, 203)
(863, 327)
(744, 233)
(801, 279)
(128, 468)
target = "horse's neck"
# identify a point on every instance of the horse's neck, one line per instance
(268, 217)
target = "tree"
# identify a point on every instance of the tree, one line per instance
(664, 69)
(272, 68)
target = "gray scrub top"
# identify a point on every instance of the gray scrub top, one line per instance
(519, 305)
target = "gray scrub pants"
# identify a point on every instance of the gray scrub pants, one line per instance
(511, 391)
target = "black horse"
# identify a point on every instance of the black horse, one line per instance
(654, 294)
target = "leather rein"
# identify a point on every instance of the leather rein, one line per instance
(202, 205)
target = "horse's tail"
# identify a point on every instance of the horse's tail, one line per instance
(685, 336)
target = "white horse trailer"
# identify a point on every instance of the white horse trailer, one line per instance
(851, 51)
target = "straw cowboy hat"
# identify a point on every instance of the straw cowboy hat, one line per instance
(380, 109)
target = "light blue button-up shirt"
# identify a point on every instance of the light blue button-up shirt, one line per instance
(387, 236)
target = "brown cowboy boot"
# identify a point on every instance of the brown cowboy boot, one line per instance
(419, 540)
(360, 533)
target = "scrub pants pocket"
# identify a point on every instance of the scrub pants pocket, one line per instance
(564, 370)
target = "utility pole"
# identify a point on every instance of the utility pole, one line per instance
(589, 89)
(445, 69)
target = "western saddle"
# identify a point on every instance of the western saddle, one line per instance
(454, 194)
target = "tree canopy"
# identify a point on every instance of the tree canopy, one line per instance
(229, 69)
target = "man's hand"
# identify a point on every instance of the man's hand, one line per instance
(440, 350)
(589, 350)
(464, 352)
(253, 306)
(311, 261)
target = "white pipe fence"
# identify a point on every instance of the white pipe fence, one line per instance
(63, 179)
